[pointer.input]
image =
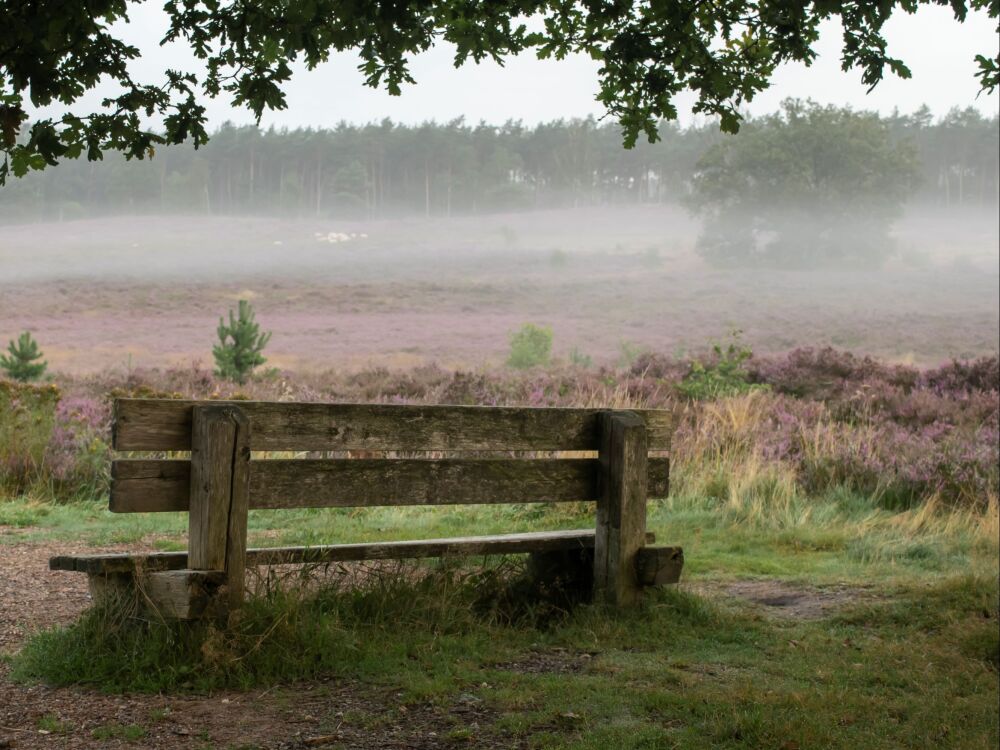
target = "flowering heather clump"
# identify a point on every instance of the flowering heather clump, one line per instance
(905, 466)
(981, 375)
(653, 365)
(77, 454)
(825, 373)
(894, 432)
(900, 463)
(915, 408)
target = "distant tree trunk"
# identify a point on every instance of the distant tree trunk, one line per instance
(319, 185)
(448, 193)
(381, 184)
(252, 160)
(427, 189)
(982, 185)
(303, 193)
(163, 184)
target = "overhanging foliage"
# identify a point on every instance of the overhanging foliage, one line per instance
(52, 53)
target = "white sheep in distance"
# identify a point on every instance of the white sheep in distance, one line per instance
(335, 237)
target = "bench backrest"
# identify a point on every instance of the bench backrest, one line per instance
(496, 455)
(522, 470)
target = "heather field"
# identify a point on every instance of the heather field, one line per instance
(147, 292)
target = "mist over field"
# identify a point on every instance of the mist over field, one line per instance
(148, 291)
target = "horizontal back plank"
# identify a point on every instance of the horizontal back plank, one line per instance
(506, 544)
(165, 425)
(141, 485)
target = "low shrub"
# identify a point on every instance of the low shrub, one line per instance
(724, 374)
(27, 419)
(52, 445)
(77, 456)
(530, 346)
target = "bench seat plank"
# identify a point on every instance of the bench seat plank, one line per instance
(165, 425)
(505, 544)
(151, 485)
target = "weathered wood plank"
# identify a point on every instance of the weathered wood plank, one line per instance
(239, 506)
(305, 483)
(116, 585)
(658, 566)
(621, 509)
(148, 485)
(183, 594)
(213, 448)
(165, 425)
(506, 544)
(145, 485)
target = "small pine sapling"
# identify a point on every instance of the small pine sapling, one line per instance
(22, 364)
(240, 345)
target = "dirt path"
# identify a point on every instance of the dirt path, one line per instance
(319, 714)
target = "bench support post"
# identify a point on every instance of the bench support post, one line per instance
(220, 489)
(621, 508)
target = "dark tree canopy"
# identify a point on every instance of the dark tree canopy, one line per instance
(809, 186)
(53, 52)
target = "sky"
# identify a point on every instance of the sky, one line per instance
(939, 50)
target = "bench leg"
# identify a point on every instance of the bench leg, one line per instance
(220, 493)
(170, 594)
(186, 594)
(212, 585)
(621, 509)
(110, 586)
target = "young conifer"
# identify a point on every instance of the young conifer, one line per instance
(23, 363)
(240, 345)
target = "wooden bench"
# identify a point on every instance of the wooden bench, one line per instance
(467, 455)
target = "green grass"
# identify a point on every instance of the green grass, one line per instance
(51, 724)
(115, 731)
(910, 662)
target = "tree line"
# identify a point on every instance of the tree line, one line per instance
(439, 169)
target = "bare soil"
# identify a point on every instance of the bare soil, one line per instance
(790, 601)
